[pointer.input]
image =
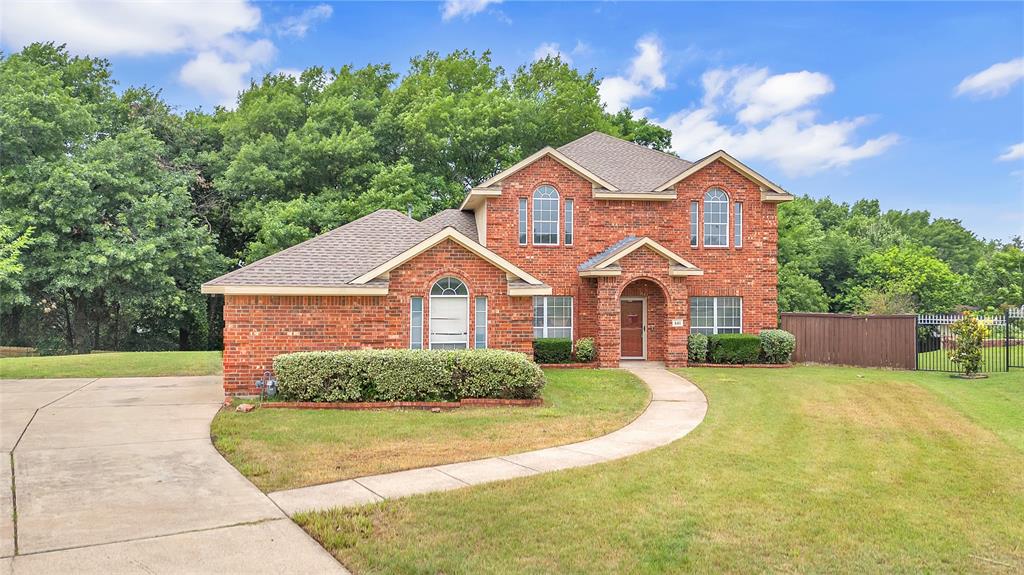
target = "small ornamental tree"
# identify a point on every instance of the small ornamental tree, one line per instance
(970, 335)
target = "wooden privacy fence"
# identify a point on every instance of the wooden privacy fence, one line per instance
(862, 340)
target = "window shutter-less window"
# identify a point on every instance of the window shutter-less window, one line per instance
(522, 221)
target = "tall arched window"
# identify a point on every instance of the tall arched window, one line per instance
(545, 216)
(716, 218)
(449, 314)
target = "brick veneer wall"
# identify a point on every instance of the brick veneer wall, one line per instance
(257, 328)
(749, 272)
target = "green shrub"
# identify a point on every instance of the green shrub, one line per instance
(586, 351)
(777, 345)
(970, 336)
(697, 348)
(734, 348)
(552, 350)
(406, 375)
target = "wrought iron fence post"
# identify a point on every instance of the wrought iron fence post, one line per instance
(917, 343)
(1006, 333)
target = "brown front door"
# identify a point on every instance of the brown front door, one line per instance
(632, 318)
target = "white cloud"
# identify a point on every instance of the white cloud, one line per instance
(298, 25)
(129, 28)
(994, 81)
(582, 48)
(773, 121)
(1014, 152)
(465, 8)
(222, 39)
(550, 49)
(645, 75)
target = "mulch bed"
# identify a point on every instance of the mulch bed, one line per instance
(468, 402)
(768, 365)
(590, 365)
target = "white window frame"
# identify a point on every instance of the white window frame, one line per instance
(715, 328)
(480, 323)
(449, 344)
(557, 211)
(725, 225)
(569, 227)
(737, 226)
(694, 224)
(523, 221)
(544, 327)
(413, 344)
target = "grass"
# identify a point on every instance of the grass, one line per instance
(284, 448)
(806, 470)
(113, 364)
(993, 359)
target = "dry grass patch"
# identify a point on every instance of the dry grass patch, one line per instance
(285, 448)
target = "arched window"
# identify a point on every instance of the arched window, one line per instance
(716, 218)
(545, 216)
(449, 314)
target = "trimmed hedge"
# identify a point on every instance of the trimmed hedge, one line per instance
(697, 348)
(734, 348)
(586, 351)
(552, 350)
(777, 345)
(406, 375)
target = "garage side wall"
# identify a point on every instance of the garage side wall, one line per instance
(259, 327)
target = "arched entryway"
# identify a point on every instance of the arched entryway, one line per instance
(642, 317)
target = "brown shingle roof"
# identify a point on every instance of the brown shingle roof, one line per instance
(336, 257)
(464, 222)
(630, 167)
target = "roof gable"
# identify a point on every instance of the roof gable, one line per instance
(604, 263)
(630, 167)
(770, 190)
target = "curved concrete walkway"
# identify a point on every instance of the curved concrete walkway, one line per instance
(677, 407)
(118, 475)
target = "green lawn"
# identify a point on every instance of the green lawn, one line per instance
(993, 359)
(114, 364)
(283, 448)
(803, 470)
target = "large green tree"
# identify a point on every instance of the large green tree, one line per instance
(116, 257)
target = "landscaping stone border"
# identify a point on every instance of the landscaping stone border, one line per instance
(468, 402)
(577, 365)
(759, 365)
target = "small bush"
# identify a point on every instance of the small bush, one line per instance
(777, 345)
(697, 348)
(552, 350)
(406, 375)
(970, 336)
(734, 348)
(586, 351)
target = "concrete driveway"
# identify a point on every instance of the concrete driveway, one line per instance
(118, 475)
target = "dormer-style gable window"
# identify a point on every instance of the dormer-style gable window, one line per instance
(545, 216)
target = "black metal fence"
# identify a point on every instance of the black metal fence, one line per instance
(1001, 351)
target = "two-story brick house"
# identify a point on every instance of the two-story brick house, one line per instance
(600, 237)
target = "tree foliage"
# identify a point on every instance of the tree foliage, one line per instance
(856, 258)
(115, 207)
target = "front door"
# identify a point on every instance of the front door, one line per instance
(633, 329)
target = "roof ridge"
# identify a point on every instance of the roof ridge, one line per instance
(648, 148)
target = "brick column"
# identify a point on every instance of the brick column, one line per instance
(608, 321)
(677, 307)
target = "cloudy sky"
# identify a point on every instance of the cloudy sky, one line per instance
(918, 105)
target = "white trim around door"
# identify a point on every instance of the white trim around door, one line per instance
(643, 328)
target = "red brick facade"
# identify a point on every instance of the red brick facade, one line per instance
(260, 327)
(256, 328)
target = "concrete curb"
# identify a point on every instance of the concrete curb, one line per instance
(677, 407)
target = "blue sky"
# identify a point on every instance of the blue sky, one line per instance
(919, 105)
